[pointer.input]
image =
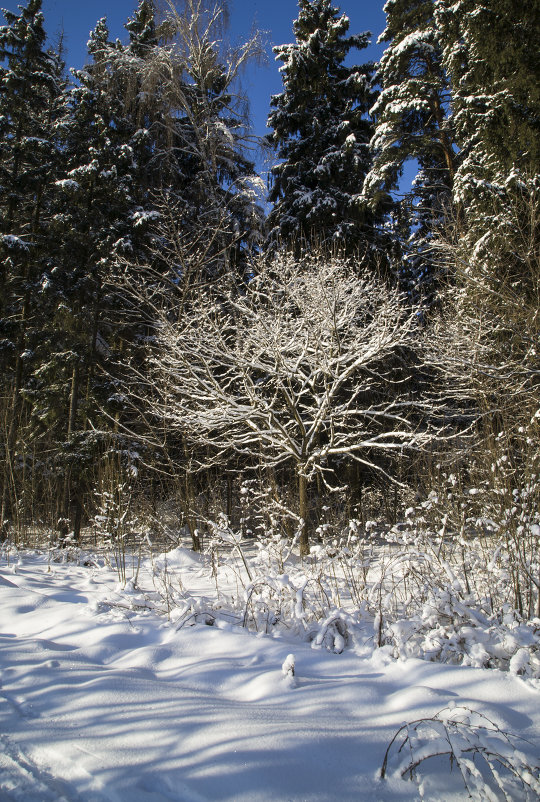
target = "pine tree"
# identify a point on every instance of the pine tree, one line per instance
(491, 55)
(413, 123)
(321, 133)
(31, 86)
(96, 225)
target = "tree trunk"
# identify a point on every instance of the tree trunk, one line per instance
(304, 512)
(72, 419)
(229, 497)
(189, 504)
(14, 414)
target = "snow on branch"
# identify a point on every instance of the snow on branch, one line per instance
(306, 362)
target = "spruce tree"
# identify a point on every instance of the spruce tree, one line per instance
(141, 88)
(184, 122)
(28, 86)
(148, 158)
(190, 128)
(31, 86)
(491, 55)
(412, 122)
(95, 225)
(321, 133)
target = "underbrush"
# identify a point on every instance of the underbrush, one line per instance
(493, 764)
(446, 584)
(455, 582)
(439, 596)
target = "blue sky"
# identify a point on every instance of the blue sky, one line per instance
(274, 17)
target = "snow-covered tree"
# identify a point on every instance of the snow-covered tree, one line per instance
(321, 133)
(221, 186)
(412, 122)
(180, 84)
(145, 149)
(31, 85)
(142, 85)
(92, 223)
(306, 367)
(97, 205)
(491, 55)
(99, 211)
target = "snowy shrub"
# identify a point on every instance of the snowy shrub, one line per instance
(490, 761)
(288, 669)
(449, 630)
(424, 593)
(333, 632)
(116, 522)
(321, 597)
(445, 586)
(263, 586)
(439, 585)
(272, 600)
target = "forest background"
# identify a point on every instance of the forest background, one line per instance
(180, 341)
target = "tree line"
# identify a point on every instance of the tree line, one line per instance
(164, 340)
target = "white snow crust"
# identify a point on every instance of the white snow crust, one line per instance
(104, 700)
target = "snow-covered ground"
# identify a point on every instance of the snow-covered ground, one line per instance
(103, 699)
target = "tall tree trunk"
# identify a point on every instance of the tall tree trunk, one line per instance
(72, 420)
(229, 497)
(304, 512)
(14, 415)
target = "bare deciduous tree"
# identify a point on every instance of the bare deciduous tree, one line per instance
(306, 364)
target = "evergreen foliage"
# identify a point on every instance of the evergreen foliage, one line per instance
(129, 208)
(92, 225)
(28, 87)
(412, 122)
(222, 187)
(31, 86)
(492, 57)
(148, 130)
(321, 134)
(189, 135)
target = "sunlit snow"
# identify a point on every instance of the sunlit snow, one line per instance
(105, 699)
